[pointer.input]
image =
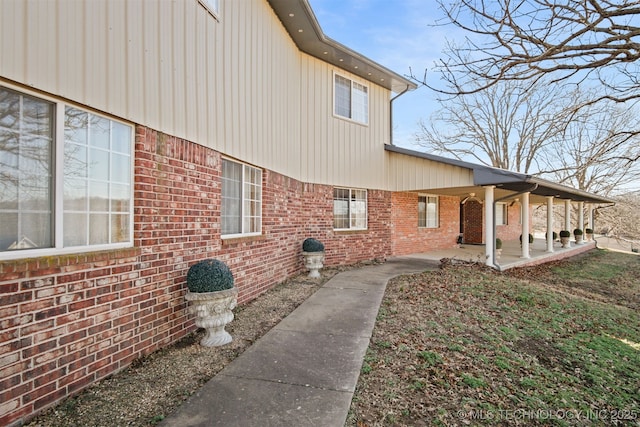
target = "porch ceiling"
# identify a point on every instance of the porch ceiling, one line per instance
(506, 183)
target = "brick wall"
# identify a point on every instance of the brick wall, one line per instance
(68, 321)
(408, 238)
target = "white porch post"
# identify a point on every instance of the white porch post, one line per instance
(590, 217)
(581, 217)
(525, 225)
(490, 239)
(549, 223)
(567, 215)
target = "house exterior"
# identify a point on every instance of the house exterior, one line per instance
(139, 137)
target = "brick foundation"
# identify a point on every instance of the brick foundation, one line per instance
(68, 321)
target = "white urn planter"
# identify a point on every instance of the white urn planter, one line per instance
(313, 261)
(212, 296)
(565, 241)
(213, 311)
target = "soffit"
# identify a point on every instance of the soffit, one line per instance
(301, 24)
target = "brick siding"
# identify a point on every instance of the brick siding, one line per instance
(68, 321)
(409, 238)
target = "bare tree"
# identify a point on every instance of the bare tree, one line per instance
(527, 39)
(622, 221)
(592, 152)
(508, 125)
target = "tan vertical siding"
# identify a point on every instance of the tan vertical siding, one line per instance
(406, 173)
(337, 151)
(237, 84)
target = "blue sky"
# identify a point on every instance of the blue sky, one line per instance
(398, 35)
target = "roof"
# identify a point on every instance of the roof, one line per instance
(509, 180)
(303, 27)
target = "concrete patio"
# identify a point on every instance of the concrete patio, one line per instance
(511, 253)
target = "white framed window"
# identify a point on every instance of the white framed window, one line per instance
(501, 213)
(428, 211)
(66, 178)
(212, 6)
(350, 99)
(241, 199)
(349, 209)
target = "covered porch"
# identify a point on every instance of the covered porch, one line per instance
(498, 204)
(511, 255)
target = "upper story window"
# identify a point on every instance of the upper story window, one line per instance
(66, 178)
(212, 5)
(349, 209)
(351, 99)
(428, 211)
(241, 199)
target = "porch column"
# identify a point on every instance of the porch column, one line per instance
(581, 218)
(549, 223)
(490, 239)
(590, 217)
(525, 225)
(567, 215)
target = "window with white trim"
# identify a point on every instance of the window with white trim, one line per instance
(428, 211)
(349, 209)
(501, 213)
(241, 199)
(66, 178)
(351, 99)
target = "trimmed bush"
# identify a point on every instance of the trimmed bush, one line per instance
(209, 275)
(554, 235)
(565, 233)
(588, 231)
(577, 232)
(498, 244)
(312, 245)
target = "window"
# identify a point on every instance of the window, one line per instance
(212, 5)
(428, 211)
(501, 214)
(351, 99)
(241, 199)
(349, 209)
(66, 177)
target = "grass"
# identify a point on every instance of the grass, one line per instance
(551, 345)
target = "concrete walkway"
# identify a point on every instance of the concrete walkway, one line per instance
(304, 371)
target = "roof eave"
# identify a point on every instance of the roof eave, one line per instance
(305, 31)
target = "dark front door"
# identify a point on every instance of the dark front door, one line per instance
(471, 213)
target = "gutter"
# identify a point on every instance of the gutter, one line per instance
(407, 89)
(495, 202)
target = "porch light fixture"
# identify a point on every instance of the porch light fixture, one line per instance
(471, 196)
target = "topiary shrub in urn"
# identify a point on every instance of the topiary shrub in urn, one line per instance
(313, 253)
(565, 235)
(212, 297)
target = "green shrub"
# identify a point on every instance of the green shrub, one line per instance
(312, 245)
(565, 233)
(588, 230)
(554, 235)
(577, 232)
(498, 244)
(209, 275)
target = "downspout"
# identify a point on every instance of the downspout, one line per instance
(495, 202)
(391, 113)
(594, 221)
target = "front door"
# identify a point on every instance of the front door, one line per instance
(472, 221)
